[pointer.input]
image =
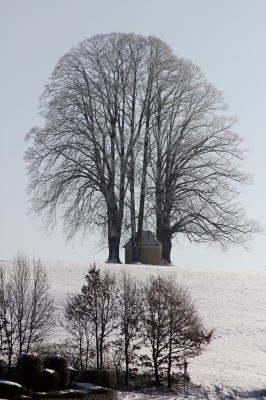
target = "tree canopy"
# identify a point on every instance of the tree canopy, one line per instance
(134, 137)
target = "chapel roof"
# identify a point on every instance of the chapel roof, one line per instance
(147, 239)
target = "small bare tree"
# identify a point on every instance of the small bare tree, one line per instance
(187, 337)
(129, 317)
(2, 315)
(101, 307)
(172, 329)
(28, 306)
(77, 324)
(8, 320)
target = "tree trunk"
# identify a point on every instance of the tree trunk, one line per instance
(166, 243)
(156, 374)
(113, 256)
(131, 176)
(97, 354)
(114, 233)
(143, 189)
(97, 343)
(80, 353)
(159, 223)
(114, 217)
(101, 353)
(158, 182)
(132, 208)
(169, 364)
(87, 355)
(159, 210)
(127, 366)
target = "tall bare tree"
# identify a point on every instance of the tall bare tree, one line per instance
(126, 118)
(97, 110)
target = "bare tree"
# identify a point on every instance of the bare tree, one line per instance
(128, 123)
(2, 317)
(3, 306)
(41, 313)
(129, 317)
(159, 63)
(155, 321)
(101, 308)
(28, 306)
(172, 329)
(8, 320)
(77, 324)
(195, 165)
(90, 317)
(98, 112)
(187, 336)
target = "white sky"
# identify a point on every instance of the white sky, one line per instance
(225, 38)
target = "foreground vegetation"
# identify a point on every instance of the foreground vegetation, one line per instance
(114, 321)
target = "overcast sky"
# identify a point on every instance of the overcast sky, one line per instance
(225, 38)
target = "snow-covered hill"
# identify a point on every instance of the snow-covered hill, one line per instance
(234, 303)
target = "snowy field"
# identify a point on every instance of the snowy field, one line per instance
(234, 303)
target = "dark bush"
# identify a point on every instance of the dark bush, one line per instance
(74, 374)
(3, 369)
(48, 380)
(10, 389)
(28, 370)
(11, 374)
(60, 365)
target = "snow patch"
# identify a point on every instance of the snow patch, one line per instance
(85, 386)
(52, 355)
(10, 383)
(50, 371)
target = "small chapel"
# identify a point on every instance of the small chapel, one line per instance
(150, 251)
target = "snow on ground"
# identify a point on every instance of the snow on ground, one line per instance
(234, 303)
